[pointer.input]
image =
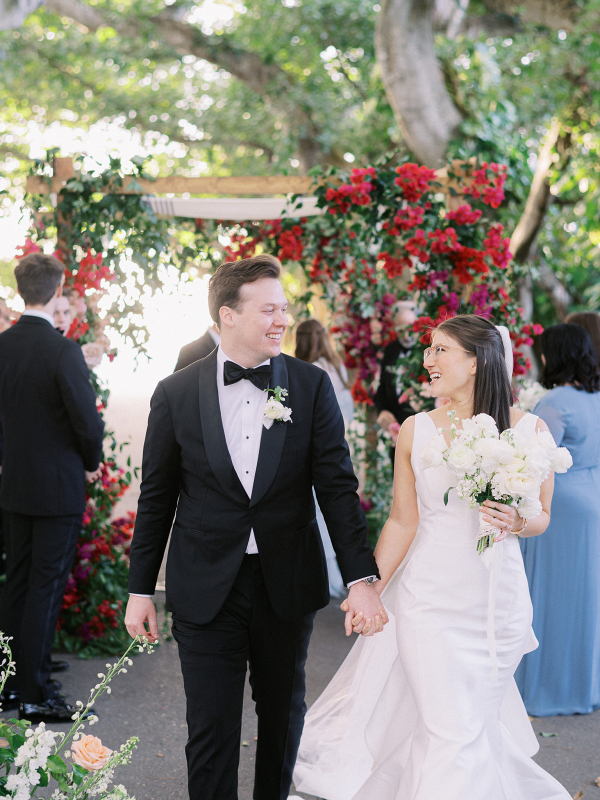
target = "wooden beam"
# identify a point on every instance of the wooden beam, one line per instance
(174, 184)
(236, 186)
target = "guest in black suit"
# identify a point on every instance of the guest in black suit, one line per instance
(198, 349)
(389, 409)
(246, 570)
(52, 435)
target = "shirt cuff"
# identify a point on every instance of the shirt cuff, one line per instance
(375, 578)
(134, 594)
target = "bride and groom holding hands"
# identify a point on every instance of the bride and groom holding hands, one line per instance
(235, 444)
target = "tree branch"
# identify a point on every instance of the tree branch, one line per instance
(413, 79)
(540, 197)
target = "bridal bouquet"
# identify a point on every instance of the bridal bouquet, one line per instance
(508, 467)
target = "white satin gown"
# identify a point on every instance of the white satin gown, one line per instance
(423, 710)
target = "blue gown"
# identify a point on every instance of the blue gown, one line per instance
(563, 568)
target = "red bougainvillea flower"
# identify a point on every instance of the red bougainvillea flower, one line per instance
(497, 246)
(443, 241)
(404, 220)
(28, 247)
(357, 192)
(291, 244)
(467, 262)
(464, 215)
(90, 274)
(416, 246)
(413, 180)
(360, 393)
(488, 184)
(393, 266)
(77, 329)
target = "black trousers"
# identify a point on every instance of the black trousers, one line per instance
(214, 659)
(39, 557)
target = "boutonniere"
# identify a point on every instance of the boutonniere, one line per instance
(275, 411)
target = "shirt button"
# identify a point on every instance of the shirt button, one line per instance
(246, 472)
(247, 437)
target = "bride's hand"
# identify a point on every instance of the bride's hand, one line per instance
(502, 516)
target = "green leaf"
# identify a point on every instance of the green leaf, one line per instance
(56, 765)
(547, 735)
(43, 778)
(448, 490)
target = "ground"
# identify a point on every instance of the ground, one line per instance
(148, 702)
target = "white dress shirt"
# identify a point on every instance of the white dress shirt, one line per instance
(242, 411)
(33, 312)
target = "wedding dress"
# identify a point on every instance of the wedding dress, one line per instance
(425, 710)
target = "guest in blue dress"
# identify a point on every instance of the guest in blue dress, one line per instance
(563, 566)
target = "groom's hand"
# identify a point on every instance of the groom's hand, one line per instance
(364, 610)
(141, 610)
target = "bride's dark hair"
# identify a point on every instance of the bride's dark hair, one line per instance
(492, 393)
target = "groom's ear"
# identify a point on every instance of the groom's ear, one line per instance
(226, 317)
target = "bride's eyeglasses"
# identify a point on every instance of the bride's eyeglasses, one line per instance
(438, 349)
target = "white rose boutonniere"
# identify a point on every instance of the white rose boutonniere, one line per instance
(275, 411)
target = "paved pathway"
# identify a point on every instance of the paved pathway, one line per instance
(148, 701)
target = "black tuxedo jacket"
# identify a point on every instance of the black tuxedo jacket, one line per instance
(187, 473)
(52, 430)
(386, 396)
(194, 351)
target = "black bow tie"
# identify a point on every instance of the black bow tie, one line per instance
(259, 376)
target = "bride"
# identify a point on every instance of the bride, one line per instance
(428, 709)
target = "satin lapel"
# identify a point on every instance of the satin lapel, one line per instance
(215, 444)
(272, 440)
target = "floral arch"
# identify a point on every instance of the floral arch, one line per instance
(385, 233)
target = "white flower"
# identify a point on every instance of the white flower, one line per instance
(461, 458)
(432, 454)
(493, 453)
(530, 395)
(517, 481)
(276, 411)
(485, 424)
(561, 460)
(530, 508)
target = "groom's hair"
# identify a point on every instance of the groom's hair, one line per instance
(224, 288)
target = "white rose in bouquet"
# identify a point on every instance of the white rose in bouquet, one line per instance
(432, 453)
(460, 458)
(561, 460)
(493, 453)
(530, 508)
(485, 424)
(515, 479)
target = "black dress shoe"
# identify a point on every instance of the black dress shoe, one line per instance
(53, 710)
(60, 666)
(9, 701)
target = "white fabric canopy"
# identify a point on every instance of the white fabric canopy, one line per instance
(234, 208)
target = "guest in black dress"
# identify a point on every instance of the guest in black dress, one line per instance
(387, 398)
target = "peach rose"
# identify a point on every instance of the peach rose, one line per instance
(92, 352)
(90, 753)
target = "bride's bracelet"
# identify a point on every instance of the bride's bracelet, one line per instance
(520, 531)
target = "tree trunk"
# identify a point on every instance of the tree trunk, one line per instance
(413, 79)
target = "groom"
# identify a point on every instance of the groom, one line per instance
(246, 571)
